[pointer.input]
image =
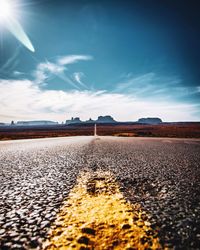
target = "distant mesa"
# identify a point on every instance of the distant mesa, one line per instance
(35, 123)
(101, 119)
(105, 119)
(149, 120)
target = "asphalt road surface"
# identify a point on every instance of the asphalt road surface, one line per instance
(161, 176)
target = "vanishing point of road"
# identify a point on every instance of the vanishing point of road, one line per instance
(100, 193)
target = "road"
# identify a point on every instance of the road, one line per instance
(55, 183)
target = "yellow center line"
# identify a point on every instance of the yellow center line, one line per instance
(97, 216)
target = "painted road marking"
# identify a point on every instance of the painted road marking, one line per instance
(96, 216)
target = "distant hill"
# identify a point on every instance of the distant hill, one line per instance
(35, 123)
(150, 120)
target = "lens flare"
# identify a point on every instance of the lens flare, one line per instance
(9, 20)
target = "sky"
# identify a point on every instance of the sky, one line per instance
(127, 59)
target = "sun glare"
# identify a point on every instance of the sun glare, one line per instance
(6, 10)
(9, 20)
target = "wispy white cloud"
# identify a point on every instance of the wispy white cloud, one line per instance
(26, 100)
(18, 73)
(152, 85)
(51, 67)
(78, 78)
(130, 81)
(65, 60)
(147, 83)
(46, 70)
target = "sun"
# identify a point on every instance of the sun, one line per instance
(9, 19)
(6, 10)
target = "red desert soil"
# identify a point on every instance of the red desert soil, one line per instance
(179, 130)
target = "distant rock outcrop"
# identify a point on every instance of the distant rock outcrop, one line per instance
(73, 120)
(150, 120)
(105, 119)
(101, 119)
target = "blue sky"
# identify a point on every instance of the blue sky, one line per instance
(129, 59)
